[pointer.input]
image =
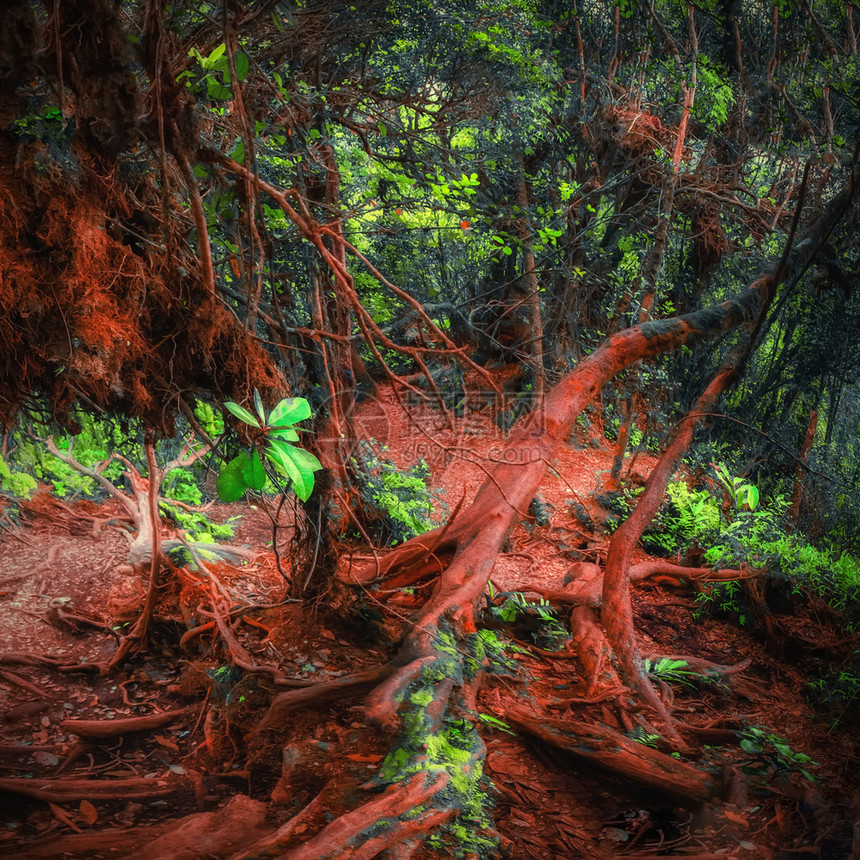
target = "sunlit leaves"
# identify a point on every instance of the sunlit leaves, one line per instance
(246, 471)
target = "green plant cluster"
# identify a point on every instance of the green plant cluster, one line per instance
(771, 755)
(835, 691)
(672, 671)
(685, 518)
(758, 538)
(399, 504)
(28, 463)
(276, 433)
(534, 621)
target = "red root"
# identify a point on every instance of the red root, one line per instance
(114, 728)
(600, 745)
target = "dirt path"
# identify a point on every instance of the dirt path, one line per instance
(547, 804)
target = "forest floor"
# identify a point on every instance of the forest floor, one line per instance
(61, 571)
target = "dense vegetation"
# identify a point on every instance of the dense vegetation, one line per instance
(645, 207)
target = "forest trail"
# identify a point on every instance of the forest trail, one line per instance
(59, 562)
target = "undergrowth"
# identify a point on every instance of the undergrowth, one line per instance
(26, 464)
(399, 504)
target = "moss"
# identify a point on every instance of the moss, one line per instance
(456, 748)
(422, 697)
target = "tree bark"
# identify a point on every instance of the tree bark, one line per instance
(797, 492)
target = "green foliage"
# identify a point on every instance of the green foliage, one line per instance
(210, 419)
(671, 671)
(835, 691)
(685, 517)
(741, 493)
(772, 756)
(724, 599)
(641, 736)
(19, 484)
(535, 621)
(399, 504)
(494, 723)
(45, 123)
(714, 94)
(197, 526)
(180, 484)
(93, 445)
(246, 472)
(759, 539)
(214, 66)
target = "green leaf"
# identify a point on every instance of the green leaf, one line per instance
(290, 411)
(253, 473)
(383, 129)
(237, 153)
(258, 405)
(314, 133)
(285, 434)
(752, 497)
(750, 746)
(216, 90)
(231, 484)
(242, 65)
(216, 55)
(241, 413)
(299, 466)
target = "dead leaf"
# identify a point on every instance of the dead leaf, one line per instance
(164, 742)
(736, 817)
(88, 812)
(61, 815)
(365, 759)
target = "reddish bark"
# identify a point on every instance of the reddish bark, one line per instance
(112, 728)
(600, 745)
(67, 790)
(797, 491)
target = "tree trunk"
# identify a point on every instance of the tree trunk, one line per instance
(797, 492)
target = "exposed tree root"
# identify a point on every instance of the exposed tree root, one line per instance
(102, 729)
(687, 785)
(67, 790)
(321, 694)
(363, 833)
(204, 834)
(439, 643)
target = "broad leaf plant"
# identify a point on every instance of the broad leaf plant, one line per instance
(246, 471)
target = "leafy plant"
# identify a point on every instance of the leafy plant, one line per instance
(641, 736)
(494, 723)
(400, 504)
(216, 63)
(740, 492)
(17, 483)
(772, 755)
(670, 670)
(836, 691)
(535, 620)
(276, 431)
